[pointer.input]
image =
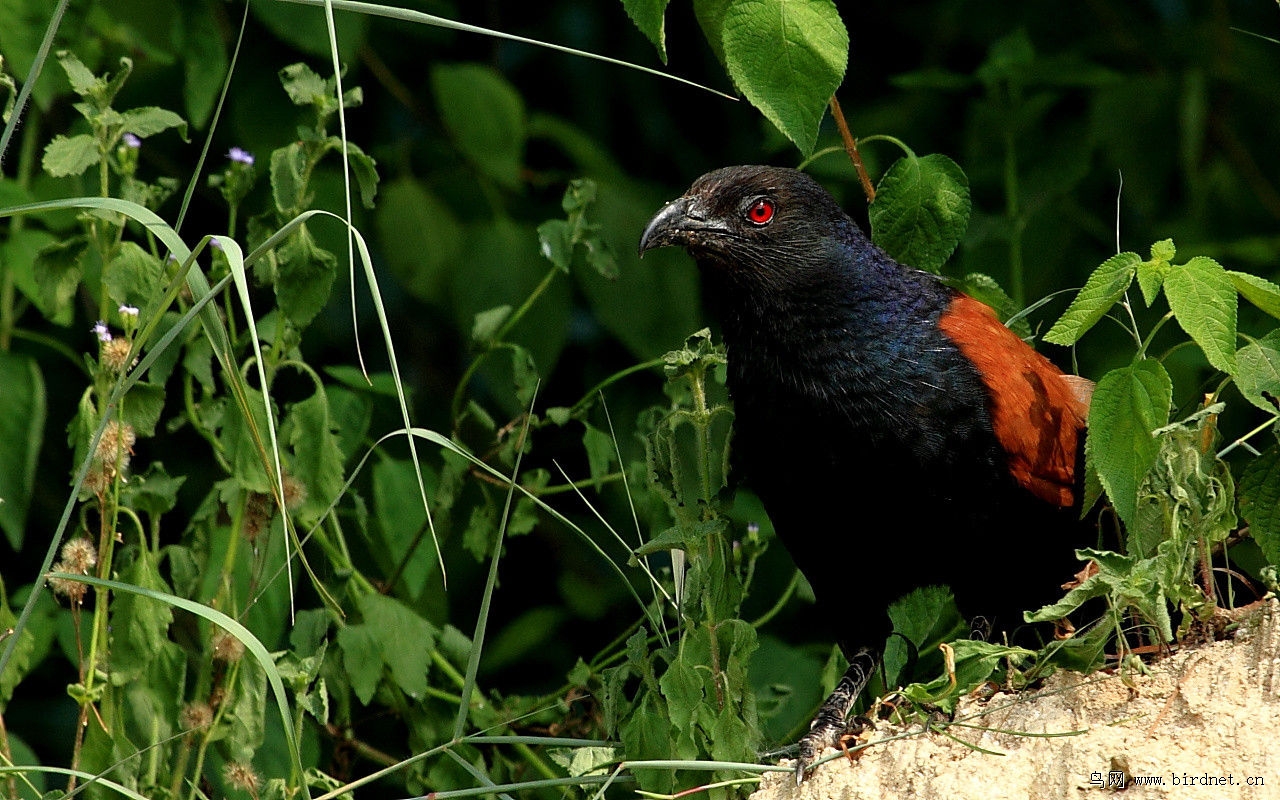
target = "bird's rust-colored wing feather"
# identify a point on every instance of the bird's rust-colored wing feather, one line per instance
(1038, 413)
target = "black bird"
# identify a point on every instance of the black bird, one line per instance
(897, 433)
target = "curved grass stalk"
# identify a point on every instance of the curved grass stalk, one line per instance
(423, 18)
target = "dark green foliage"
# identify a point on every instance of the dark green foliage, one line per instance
(498, 190)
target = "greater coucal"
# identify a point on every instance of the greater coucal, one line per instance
(897, 433)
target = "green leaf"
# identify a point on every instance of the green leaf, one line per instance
(365, 170)
(1105, 286)
(142, 408)
(420, 238)
(133, 276)
(150, 120)
(57, 271)
(1203, 300)
(140, 625)
(1128, 405)
(927, 617)
(650, 17)
(303, 85)
(205, 63)
(1258, 375)
(317, 461)
(362, 659)
(921, 210)
(23, 407)
(1261, 292)
(405, 640)
(1152, 272)
(485, 117)
(288, 186)
(601, 453)
(710, 14)
(1260, 502)
(83, 81)
(70, 155)
(555, 239)
(788, 57)
(304, 277)
(401, 523)
(487, 324)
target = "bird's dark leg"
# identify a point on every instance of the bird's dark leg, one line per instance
(829, 723)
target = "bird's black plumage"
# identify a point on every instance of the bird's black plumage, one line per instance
(863, 419)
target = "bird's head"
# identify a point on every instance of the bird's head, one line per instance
(755, 222)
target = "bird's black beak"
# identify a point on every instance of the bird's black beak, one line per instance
(677, 223)
(667, 226)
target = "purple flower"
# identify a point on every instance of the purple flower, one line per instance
(101, 330)
(214, 243)
(130, 140)
(128, 311)
(240, 156)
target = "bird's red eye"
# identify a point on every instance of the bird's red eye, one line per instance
(761, 212)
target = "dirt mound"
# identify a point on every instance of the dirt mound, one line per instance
(1204, 723)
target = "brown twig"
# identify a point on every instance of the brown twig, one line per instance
(851, 147)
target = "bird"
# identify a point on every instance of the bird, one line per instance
(898, 434)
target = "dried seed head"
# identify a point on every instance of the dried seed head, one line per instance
(227, 647)
(295, 492)
(79, 556)
(240, 775)
(116, 446)
(196, 716)
(115, 354)
(72, 590)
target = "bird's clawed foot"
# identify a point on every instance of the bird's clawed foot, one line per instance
(829, 726)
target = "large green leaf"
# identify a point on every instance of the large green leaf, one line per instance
(22, 414)
(650, 17)
(1203, 300)
(485, 117)
(1128, 405)
(1105, 286)
(1260, 502)
(921, 210)
(1259, 371)
(788, 57)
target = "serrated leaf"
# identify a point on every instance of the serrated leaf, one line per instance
(405, 639)
(1128, 404)
(1259, 371)
(985, 288)
(1105, 286)
(555, 242)
(317, 462)
(70, 155)
(1261, 292)
(788, 57)
(921, 210)
(150, 120)
(365, 170)
(304, 277)
(303, 84)
(650, 17)
(1260, 502)
(1203, 300)
(83, 82)
(1152, 272)
(487, 323)
(287, 183)
(710, 14)
(362, 658)
(57, 271)
(485, 116)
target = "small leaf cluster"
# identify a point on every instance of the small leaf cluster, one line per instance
(1167, 482)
